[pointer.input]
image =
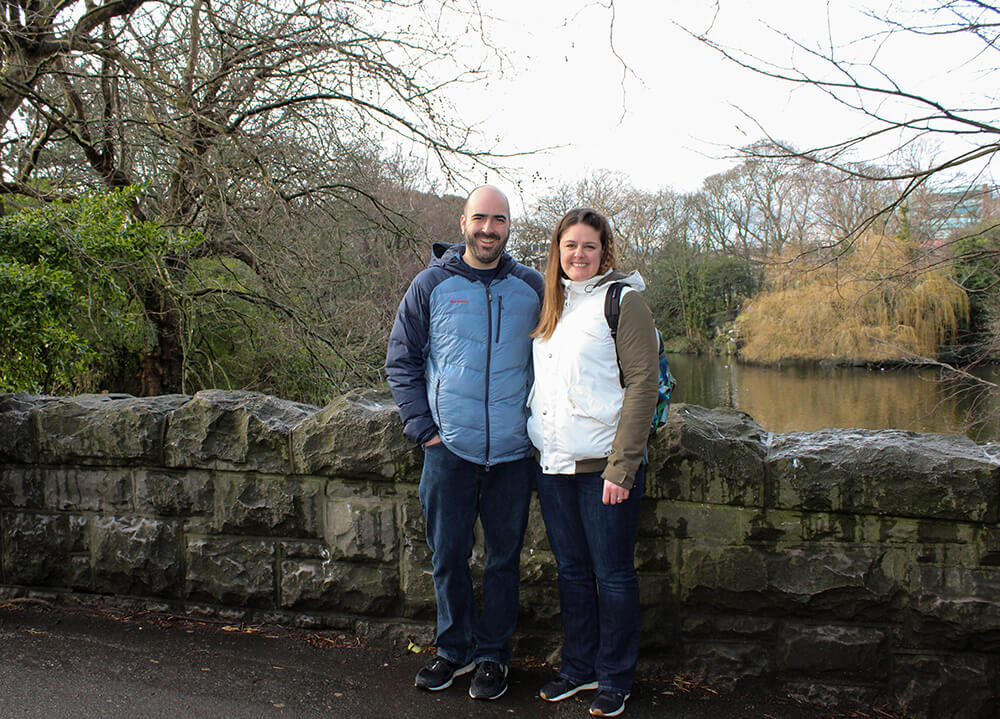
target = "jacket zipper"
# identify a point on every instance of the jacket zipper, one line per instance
(499, 315)
(489, 354)
(437, 399)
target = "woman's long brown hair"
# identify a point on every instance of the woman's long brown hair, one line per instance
(552, 305)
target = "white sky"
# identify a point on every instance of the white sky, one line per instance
(668, 119)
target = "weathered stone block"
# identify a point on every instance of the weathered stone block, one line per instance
(357, 435)
(412, 518)
(657, 554)
(708, 455)
(886, 472)
(136, 556)
(361, 529)
(727, 664)
(539, 597)
(729, 627)
(220, 429)
(416, 579)
(721, 575)
(251, 504)
(327, 585)
(104, 428)
(235, 572)
(843, 651)
(172, 493)
(21, 488)
(18, 436)
(959, 606)
(946, 686)
(38, 549)
(703, 522)
(829, 579)
(839, 581)
(88, 489)
(658, 611)
(535, 535)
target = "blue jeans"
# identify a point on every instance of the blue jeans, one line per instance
(453, 492)
(594, 546)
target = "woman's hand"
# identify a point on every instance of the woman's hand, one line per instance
(613, 493)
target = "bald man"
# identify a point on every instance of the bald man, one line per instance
(459, 367)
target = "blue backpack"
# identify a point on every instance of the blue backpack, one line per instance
(612, 309)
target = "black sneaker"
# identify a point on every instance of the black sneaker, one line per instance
(439, 673)
(559, 689)
(608, 704)
(489, 681)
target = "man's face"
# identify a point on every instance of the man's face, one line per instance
(485, 227)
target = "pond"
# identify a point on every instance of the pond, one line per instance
(805, 398)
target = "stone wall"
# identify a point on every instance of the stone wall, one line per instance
(840, 565)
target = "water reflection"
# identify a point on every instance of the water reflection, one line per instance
(808, 398)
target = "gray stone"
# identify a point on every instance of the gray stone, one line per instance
(946, 686)
(104, 428)
(326, 585)
(21, 488)
(235, 572)
(539, 597)
(887, 472)
(959, 606)
(724, 665)
(361, 529)
(136, 556)
(18, 435)
(708, 455)
(38, 549)
(171, 493)
(90, 489)
(250, 504)
(233, 430)
(358, 435)
(416, 580)
(824, 649)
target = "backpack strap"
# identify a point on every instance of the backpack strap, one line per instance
(613, 307)
(612, 310)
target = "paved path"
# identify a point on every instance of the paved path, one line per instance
(59, 662)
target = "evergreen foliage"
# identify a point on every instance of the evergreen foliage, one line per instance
(70, 276)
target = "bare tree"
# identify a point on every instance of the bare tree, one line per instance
(850, 73)
(260, 124)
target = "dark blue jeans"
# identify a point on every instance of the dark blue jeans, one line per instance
(594, 546)
(453, 492)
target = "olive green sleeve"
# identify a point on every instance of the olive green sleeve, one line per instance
(638, 354)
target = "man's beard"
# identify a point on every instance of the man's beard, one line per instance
(485, 255)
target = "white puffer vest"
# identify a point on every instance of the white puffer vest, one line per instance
(577, 398)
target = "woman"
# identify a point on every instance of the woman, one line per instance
(590, 432)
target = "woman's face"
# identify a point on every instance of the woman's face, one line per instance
(580, 251)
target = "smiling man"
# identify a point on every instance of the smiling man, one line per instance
(459, 367)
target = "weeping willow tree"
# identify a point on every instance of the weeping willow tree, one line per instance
(857, 306)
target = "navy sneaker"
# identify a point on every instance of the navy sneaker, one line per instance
(489, 681)
(608, 704)
(439, 673)
(559, 689)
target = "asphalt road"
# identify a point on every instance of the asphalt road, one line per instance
(61, 662)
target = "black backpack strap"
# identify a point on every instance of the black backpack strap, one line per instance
(613, 307)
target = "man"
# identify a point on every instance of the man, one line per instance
(459, 367)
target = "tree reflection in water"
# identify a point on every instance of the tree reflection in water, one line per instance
(808, 397)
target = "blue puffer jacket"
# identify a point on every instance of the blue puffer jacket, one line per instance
(459, 356)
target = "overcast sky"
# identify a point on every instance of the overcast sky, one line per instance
(666, 110)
